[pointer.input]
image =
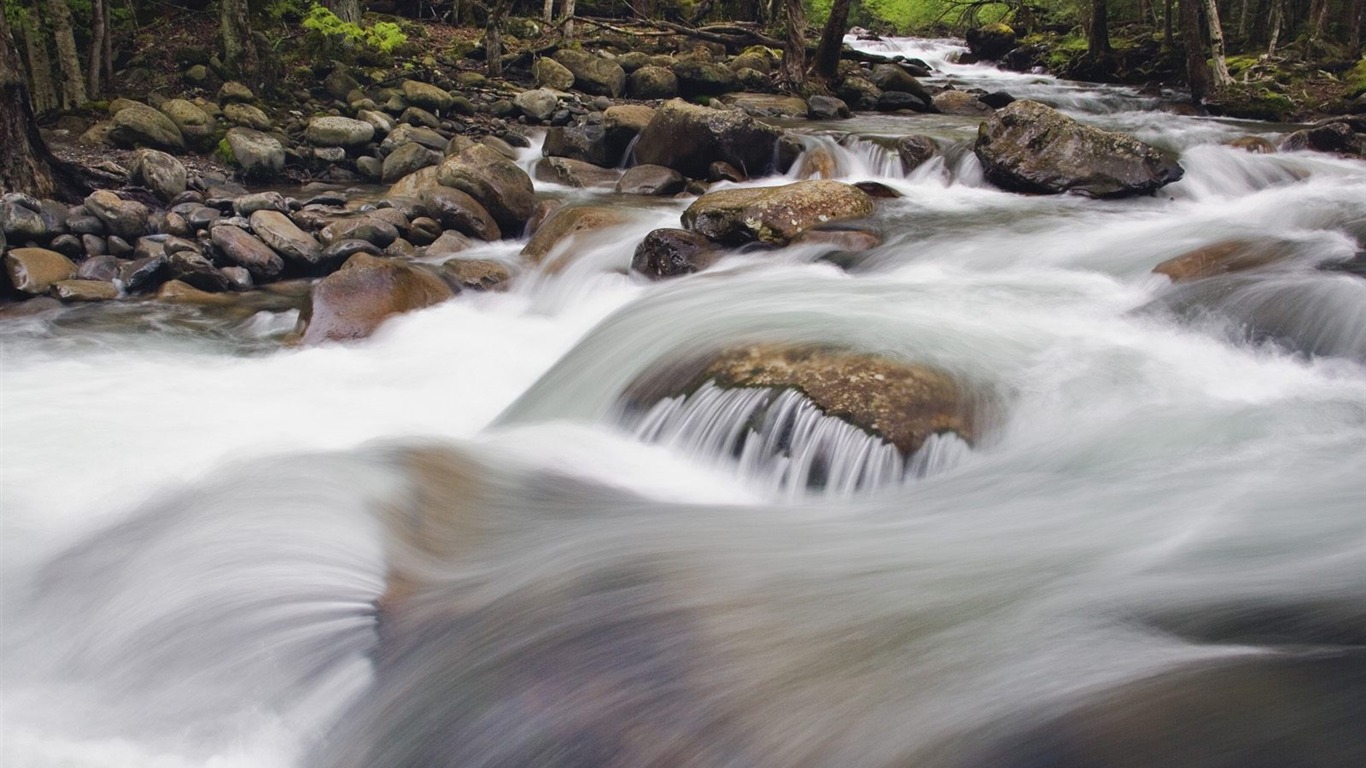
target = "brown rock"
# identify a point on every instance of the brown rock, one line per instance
(673, 252)
(352, 302)
(35, 270)
(496, 182)
(1221, 258)
(84, 290)
(568, 222)
(775, 215)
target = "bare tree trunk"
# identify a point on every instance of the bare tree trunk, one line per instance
(1222, 78)
(239, 51)
(548, 13)
(1358, 19)
(1277, 19)
(346, 10)
(493, 37)
(42, 91)
(1242, 22)
(793, 70)
(1318, 12)
(569, 19)
(827, 60)
(73, 79)
(1167, 23)
(97, 33)
(1098, 30)
(24, 159)
(1197, 71)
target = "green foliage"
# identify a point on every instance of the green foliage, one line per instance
(1356, 79)
(382, 36)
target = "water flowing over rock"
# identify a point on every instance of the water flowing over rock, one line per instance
(775, 215)
(352, 302)
(903, 403)
(689, 138)
(1030, 147)
(673, 252)
(568, 222)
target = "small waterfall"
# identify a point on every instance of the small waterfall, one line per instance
(787, 443)
(851, 157)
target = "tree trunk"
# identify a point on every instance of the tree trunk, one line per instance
(1197, 71)
(493, 37)
(1277, 19)
(1216, 42)
(793, 70)
(827, 61)
(1167, 23)
(1318, 12)
(1098, 30)
(42, 91)
(548, 13)
(568, 19)
(239, 51)
(1357, 20)
(25, 163)
(73, 79)
(97, 33)
(346, 10)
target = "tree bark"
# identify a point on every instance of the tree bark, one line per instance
(25, 163)
(1098, 30)
(239, 51)
(42, 91)
(825, 65)
(1167, 23)
(73, 79)
(793, 70)
(1277, 19)
(1358, 19)
(1197, 71)
(97, 33)
(493, 37)
(1222, 78)
(548, 13)
(1318, 14)
(346, 10)
(568, 19)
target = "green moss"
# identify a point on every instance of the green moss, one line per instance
(1355, 78)
(224, 153)
(1252, 102)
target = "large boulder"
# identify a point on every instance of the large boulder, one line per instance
(576, 173)
(427, 96)
(351, 302)
(407, 159)
(196, 126)
(689, 138)
(890, 77)
(651, 180)
(586, 142)
(960, 103)
(552, 74)
(1224, 257)
(333, 131)
(36, 270)
(495, 181)
(259, 155)
(652, 82)
(285, 237)
(775, 215)
(247, 115)
(593, 74)
(704, 78)
(138, 125)
(903, 403)
(768, 104)
(159, 172)
(1030, 147)
(538, 103)
(568, 222)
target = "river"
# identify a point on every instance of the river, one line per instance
(1156, 554)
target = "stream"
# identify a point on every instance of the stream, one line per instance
(1156, 554)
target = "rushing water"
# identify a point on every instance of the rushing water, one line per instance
(454, 544)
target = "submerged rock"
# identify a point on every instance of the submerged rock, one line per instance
(1225, 257)
(775, 215)
(1030, 147)
(352, 302)
(903, 403)
(569, 221)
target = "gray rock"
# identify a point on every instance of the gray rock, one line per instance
(384, 125)
(296, 246)
(552, 74)
(235, 91)
(124, 218)
(1030, 147)
(419, 116)
(858, 92)
(413, 134)
(407, 159)
(575, 173)
(652, 83)
(704, 78)
(333, 131)
(915, 150)
(380, 233)
(586, 142)
(196, 271)
(35, 270)
(259, 155)
(143, 275)
(538, 104)
(245, 250)
(892, 101)
(139, 125)
(891, 77)
(246, 116)
(196, 126)
(338, 252)
(960, 103)
(651, 180)
(826, 108)
(20, 224)
(593, 75)
(673, 252)
(427, 96)
(103, 267)
(246, 205)
(159, 172)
